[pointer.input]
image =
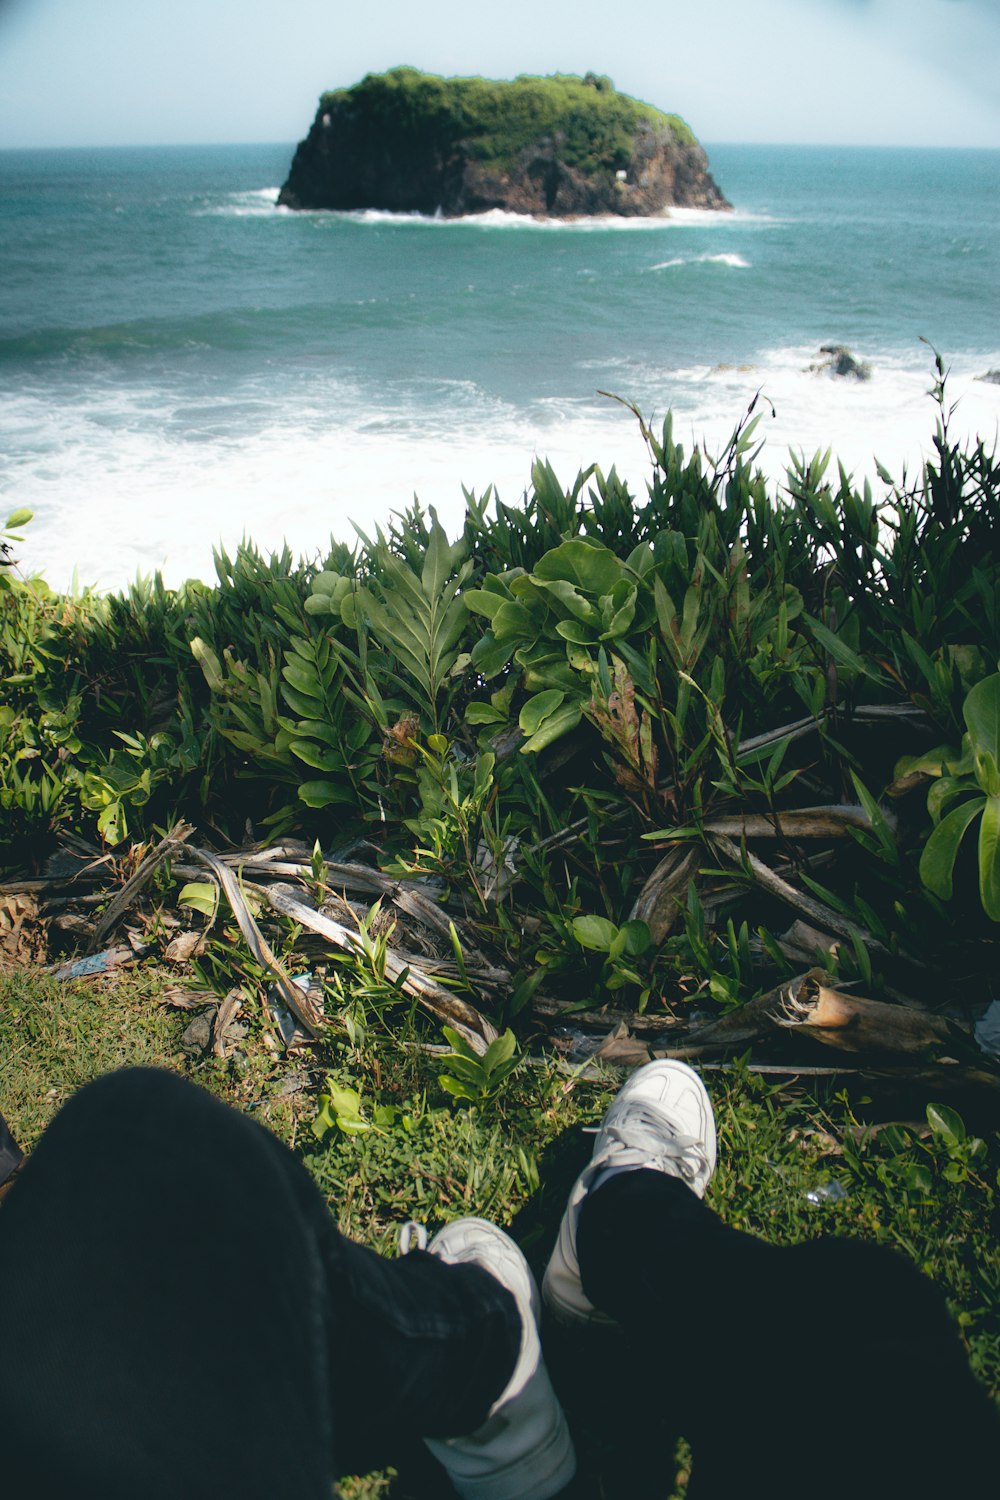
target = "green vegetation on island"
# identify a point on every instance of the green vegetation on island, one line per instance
(497, 120)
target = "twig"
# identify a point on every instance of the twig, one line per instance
(817, 911)
(297, 1002)
(863, 713)
(120, 903)
(448, 1007)
(799, 823)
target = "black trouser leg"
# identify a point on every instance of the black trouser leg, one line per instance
(11, 1155)
(827, 1369)
(181, 1317)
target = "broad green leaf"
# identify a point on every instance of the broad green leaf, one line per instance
(499, 1051)
(574, 631)
(200, 895)
(300, 703)
(930, 763)
(346, 1105)
(619, 622)
(323, 793)
(17, 518)
(490, 656)
(484, 713)
(315, 756)
(946, 1122)
(303, 679)
(941, 849)
(327, 583)
(456, 1041)
(112, 823)
(316, 729)
(571, 599)
(637, 938)
(981, 711)
(666, 614)
(595, 569)
(469, 1068)
(594, 932)
(987, 773)
(537, 710)
(321, 604)
(440, 560)
(484, 602)
(554, 727)
(989, 859)
(513, 621)
(209, 663)
(458, 1089)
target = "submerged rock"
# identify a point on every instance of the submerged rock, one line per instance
(565, 147)
(992, 377)
(841, 362)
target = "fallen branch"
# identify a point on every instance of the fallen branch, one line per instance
(120, 903)
(801, 823)
(298, 1003)
(448, 1007)
(664, 895)
(854, 1023)
(816, 911)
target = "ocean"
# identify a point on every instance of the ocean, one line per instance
(183, 364)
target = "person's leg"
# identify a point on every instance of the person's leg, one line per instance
(180, 1315)
(828, 1368)
(11, 1158)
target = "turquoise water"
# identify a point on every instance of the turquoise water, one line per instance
(180, 361)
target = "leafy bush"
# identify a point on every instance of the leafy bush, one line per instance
(573, 695)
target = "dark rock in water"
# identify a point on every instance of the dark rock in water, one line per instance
(565, 147)
(992, 377)
(840, 361)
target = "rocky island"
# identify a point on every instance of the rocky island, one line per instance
(563, 147)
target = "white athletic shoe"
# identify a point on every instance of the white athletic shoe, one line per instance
(523, 1451)
(661, 1120)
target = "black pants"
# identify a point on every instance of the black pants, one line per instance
(180, 1317)
(829, 1370)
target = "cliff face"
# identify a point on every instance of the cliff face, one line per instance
(410, 142)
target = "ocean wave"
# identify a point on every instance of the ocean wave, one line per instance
(262, 203)
(725, 258)
(498, 218)
(256, 203)
(143, 475)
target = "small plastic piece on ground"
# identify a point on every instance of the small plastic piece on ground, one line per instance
(827, 1192)
(95, 963)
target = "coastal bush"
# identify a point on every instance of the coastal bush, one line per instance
(572, 695)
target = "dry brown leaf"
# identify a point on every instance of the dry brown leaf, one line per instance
(184, 947)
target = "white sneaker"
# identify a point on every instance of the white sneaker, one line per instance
(661, 1120)
(523, 1451)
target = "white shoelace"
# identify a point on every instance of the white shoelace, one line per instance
(645, 1131)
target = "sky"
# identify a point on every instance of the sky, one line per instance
(159, 72)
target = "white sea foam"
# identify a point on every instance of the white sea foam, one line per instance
(726, 258)
(125, 483)
(256, 203)
(498, 218)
